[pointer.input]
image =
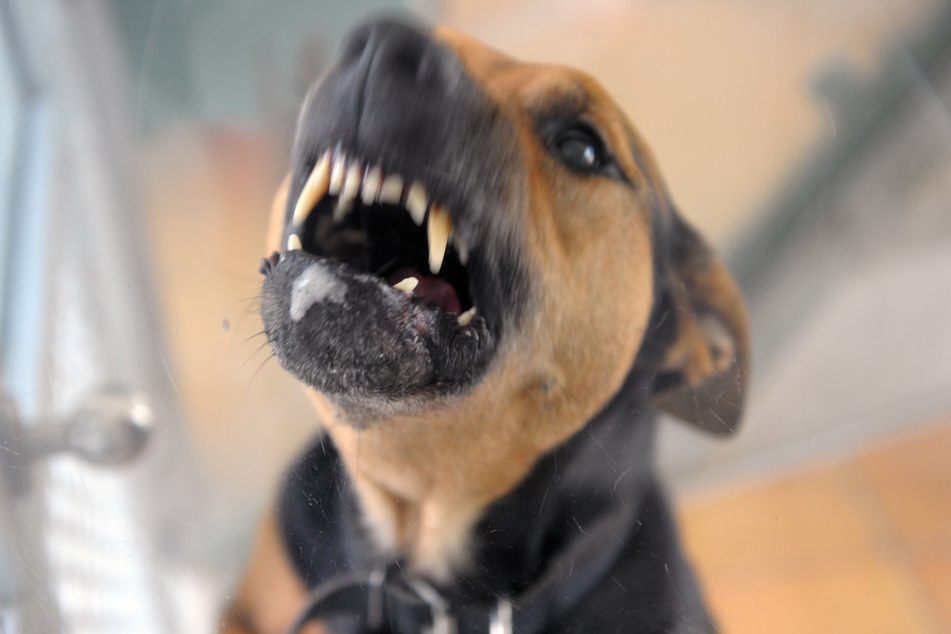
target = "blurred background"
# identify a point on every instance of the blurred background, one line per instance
(141, 142)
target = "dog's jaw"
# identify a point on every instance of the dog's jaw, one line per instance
(400, 273)
(374, 348)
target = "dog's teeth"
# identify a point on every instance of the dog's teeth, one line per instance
(391, 190)
(461, 249)
(293, 242)
(437, 230)
(407, 285)
(416, 203)
(466, 318)
(351, 187)
(371, 185)
(337, 173)
(314, 189)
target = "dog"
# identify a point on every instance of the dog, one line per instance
(481, 281)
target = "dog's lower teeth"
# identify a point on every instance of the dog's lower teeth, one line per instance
(466, 318)
(294, 243)
(407, 285)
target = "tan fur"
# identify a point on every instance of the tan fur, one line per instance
(424, 480)
(271, 593)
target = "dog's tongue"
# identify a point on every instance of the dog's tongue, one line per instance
(433, 289)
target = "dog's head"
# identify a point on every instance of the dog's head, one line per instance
(464, 229)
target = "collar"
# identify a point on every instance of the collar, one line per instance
(386, 599)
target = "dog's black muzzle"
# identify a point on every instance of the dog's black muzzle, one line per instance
(407, 141)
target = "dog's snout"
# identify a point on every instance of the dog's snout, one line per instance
(400, 98)
(392, 49)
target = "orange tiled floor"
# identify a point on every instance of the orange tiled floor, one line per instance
(863, 545)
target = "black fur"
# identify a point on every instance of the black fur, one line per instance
(597, 491)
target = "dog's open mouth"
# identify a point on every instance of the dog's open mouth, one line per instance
(373, 295)
(377, 223)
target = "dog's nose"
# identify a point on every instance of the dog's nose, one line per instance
(395, 86)
(395, 50)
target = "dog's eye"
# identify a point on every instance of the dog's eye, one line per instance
(580, 150)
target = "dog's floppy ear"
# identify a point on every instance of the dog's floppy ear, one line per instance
(704, 369)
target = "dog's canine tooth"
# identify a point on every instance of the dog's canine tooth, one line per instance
(371, 185)
(337, 173)
(466, 318)
(391, 190)
(437, 230)
(314, 189)
(416, 202)
(294, 243)
(407, 285)
(461, 249)
(351, 187)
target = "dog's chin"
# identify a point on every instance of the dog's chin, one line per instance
(372, 349)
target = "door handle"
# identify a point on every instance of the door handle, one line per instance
(111, 425)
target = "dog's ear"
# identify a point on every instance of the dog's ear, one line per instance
(704, 369)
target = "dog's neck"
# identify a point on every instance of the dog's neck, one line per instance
(425, 485)
(598, 472)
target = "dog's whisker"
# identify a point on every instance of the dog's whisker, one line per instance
(258, 370)
(259, 349)
(250, 338)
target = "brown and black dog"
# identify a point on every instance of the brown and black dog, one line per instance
(487, 293)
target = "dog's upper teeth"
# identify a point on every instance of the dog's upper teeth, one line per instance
(351, 187)
(437, 231)
(461, 249)
(407, 285)
(391, 191)
(416, 202)
(334, 175)
(337, 172)
(314, 189)
(371, 185)
(466, 318)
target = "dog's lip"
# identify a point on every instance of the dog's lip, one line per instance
(365, 336)
(325, 280)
